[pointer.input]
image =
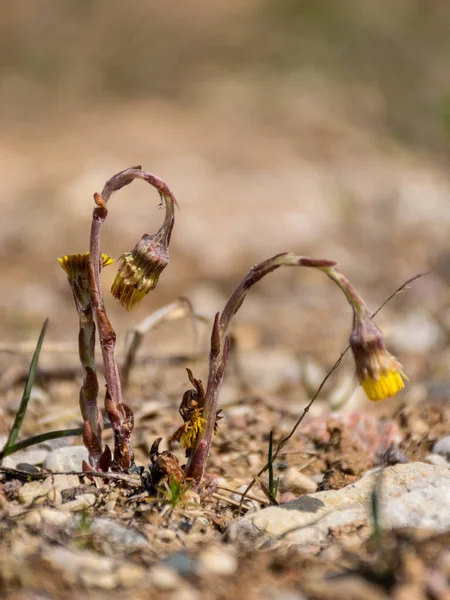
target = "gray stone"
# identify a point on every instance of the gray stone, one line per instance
(442, 447)
(412, 495)
(68, 458)
(119, 536)
(184, 565)
(27, 468)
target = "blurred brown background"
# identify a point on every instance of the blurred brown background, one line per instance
(318, 127)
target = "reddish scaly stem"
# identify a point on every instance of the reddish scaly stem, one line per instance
(220, 347)
(119, 413)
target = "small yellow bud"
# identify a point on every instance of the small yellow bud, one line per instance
(77, 264)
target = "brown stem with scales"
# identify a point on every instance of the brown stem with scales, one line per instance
(120, 414)
(220, 343)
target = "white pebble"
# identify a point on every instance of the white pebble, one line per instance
(217, 561)
(68, 458)
(164, 578)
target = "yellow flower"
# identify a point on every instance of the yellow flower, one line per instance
(379, 372)
(77, 264)
(386, 386)
(76, 268)
(193, 428)
(140, 270)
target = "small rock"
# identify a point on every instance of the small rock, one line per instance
(105, 581)
(33, 519)
(49, 489)
(295, 482)
(164, 578)
(123, 538)
(165, 535)
(55, 517)
(64, 482)
(80, 503)
(437, 460)
(35, 491)
(68, 458)
(27, 468)
(130, 575)
(184, 565)
(217, 561)
(442, 447)
(110, 505)
(91, 568)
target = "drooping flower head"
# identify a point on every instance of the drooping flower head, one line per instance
(379, 372)
(140, 269)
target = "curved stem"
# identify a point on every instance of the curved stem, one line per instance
(220, 347)
(119, 413)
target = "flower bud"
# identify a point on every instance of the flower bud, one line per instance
(140, 269)
(379, 372)
(77, 264)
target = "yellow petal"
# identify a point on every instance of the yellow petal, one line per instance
(386, 386)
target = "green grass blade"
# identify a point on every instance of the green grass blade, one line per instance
(26, 393)
(38, 439)
(44, 437)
